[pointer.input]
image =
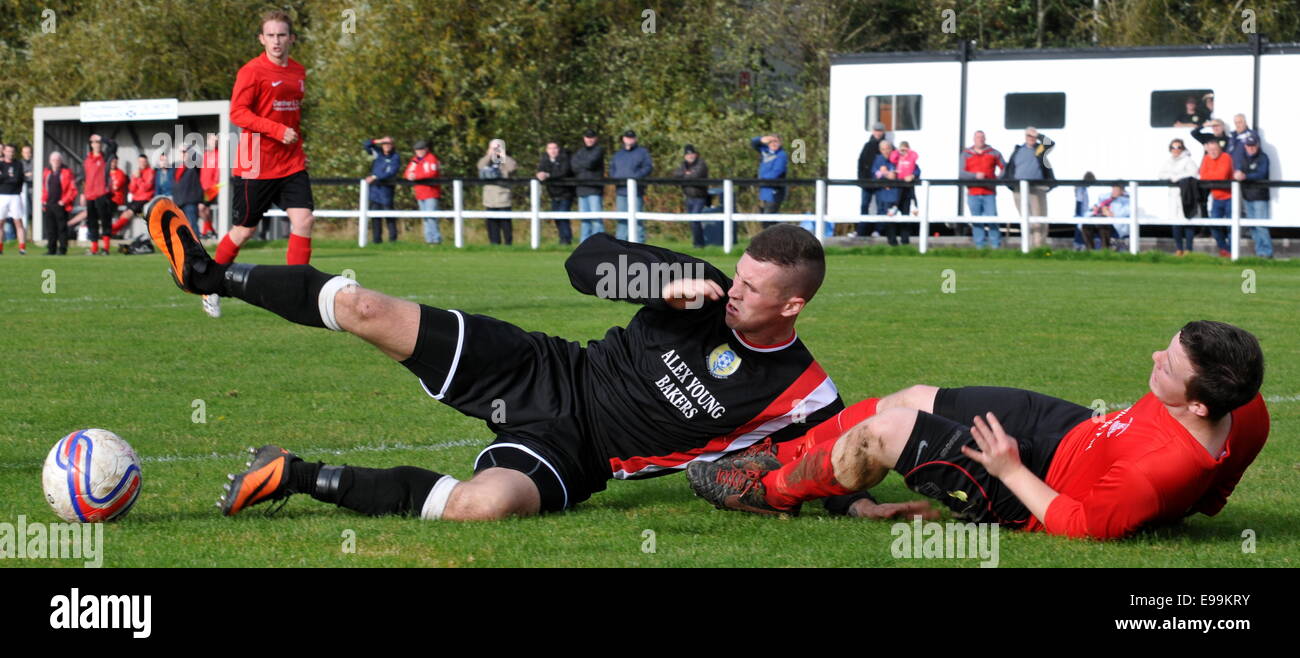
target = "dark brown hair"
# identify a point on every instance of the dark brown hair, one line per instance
(796, 250)
(1229, 365)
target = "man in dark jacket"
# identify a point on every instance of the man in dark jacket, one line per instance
(865, 159)
(588, 163)
(1251, 164)
(383, 171)
(632, 161)
(555, 165)
(188, 191)
(697, 196)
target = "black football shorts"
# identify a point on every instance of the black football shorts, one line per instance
(932, 463)
(250, 198)
(525, 386)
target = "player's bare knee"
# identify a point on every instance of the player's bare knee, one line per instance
(469, 502)
(919, 396)
(355, 306)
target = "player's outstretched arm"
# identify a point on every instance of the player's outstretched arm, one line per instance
(628, 271)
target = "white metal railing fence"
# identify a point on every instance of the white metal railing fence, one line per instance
(820, 217)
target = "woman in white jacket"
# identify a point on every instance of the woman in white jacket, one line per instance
(1180, 165)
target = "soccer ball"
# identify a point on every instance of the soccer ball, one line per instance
(91, 476)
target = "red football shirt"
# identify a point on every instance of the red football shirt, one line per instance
(267, 99)
(1140, 466)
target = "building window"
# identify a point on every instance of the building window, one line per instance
(898, 112)
(1040, 110)
(1171, 107)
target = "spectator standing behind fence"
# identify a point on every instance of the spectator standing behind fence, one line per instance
(1029, 162)
(1217, 166)
(1216, 134)
(1241, 132)
(1180, 166)
(866, 158)
(632, 161)
(887, 197)
(554, 165)
(588, 162)
(11, 196)
(982, 162)
(383, 171)
(58, 191)
(696, 196)
(1081, 209)
(497, 164)
(1251, 164)
(904, 159)
(773, 164)
(423, 166)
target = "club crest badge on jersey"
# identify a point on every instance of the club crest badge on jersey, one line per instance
(723, 361)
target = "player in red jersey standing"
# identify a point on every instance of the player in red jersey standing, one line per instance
(1026, 460)
(270, 166)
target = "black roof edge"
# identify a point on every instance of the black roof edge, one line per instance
(1003, 54)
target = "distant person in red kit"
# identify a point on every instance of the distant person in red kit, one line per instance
(99, 203)
(142, 190)
(270, 166)
(210, 179)
(1026, 460)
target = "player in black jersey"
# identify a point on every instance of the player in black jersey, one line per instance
(708, 366)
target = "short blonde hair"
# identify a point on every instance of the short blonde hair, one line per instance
(276, 16)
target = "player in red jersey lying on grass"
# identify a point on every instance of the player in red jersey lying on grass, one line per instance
(1029, 461)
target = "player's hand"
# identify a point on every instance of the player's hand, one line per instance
(691, 293)
(290, 136)
(865, 509)
(999, 452)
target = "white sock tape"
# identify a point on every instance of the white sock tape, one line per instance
(437, 500)
(325, 301)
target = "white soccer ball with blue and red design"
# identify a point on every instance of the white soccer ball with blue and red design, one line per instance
(91, 476)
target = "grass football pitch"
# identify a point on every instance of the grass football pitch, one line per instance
(110, 342)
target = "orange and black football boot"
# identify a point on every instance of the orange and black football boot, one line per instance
(267, 478)
(172, 235)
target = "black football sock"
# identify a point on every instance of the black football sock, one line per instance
(289, 291)
(371, 491)
(839, 505)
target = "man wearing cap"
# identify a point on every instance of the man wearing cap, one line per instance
(865, 159)
(632, 161)
(588, 162)
(383, 170)
(423, 166)
(697, 196)
(1251, 164)
(773, 163)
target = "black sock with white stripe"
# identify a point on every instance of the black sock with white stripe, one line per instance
(371, 491)
(289, 291)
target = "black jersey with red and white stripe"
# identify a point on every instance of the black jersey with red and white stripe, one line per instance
(676, 386)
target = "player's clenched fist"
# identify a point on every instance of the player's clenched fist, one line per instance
(691, 293)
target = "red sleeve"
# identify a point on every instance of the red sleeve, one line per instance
(1243, 448)
(1121, 501)
(242, 110)
(69, 188)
